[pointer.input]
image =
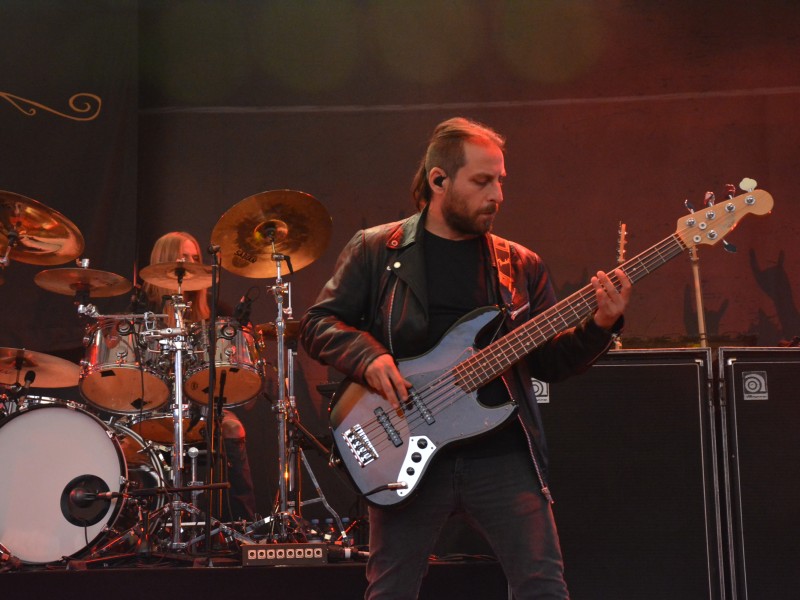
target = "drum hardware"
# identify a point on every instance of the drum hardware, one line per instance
(82, 282)
(296, 434)
(120, 374)
(235, 355)
(177, 341)
(32, 233)
(178, 275)
(285, 222)
(17, 364)
(140, 534)
(285, 409)
(79, 484)
(256, 237)
(174, 340)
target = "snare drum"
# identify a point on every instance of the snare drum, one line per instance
(235, 356)
(53, 454)
(118, 373)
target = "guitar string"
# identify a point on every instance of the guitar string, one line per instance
(443, 390)
(446, 383)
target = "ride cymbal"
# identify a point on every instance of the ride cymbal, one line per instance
(38, 235)
(50, 371)
(297, 223)
(192, 276)
(69, 281)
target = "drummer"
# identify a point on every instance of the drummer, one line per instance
(171, 247)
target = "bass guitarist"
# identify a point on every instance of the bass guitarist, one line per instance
(400, 290)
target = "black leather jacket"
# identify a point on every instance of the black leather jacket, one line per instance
(375, 303)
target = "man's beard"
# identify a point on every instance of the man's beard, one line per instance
(454, 211)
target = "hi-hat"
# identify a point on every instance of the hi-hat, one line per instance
(192, 276)
(69, 281)
(50, 371)
(38, 235)
(297, 224)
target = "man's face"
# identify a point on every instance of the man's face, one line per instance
(474, 196)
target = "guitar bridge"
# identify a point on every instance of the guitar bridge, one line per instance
(359, 445)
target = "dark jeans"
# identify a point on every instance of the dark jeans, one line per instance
(500, 495)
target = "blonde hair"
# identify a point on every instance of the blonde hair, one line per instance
(168, 248)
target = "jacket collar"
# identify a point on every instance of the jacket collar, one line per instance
(407, 231)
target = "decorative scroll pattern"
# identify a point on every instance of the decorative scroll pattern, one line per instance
(85, 106)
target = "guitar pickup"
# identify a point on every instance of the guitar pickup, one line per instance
(422, 408)
(359, 445)
(393, 434)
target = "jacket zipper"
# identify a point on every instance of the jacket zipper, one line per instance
(539, 475)
(389, 318)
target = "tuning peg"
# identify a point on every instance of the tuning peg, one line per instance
(728, 246)
(688, 205)
(709, 199)
(730, 189)
(747, 184)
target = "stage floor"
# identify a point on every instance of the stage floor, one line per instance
(170, 579)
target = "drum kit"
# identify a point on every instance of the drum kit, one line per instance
(148, 380)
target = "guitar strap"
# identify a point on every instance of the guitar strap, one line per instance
(502, 259)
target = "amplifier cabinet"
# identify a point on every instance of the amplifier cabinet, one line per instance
(761, 426)
(632, 470)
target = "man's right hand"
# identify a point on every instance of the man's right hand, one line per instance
(383, 376)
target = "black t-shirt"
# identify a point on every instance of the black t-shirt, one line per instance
(457, 278)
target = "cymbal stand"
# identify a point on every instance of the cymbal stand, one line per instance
(174, 340)
(295, 451)
(177, 345)
(280, 289)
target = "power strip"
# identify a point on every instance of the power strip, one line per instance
(310, 553)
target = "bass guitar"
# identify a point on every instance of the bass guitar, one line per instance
(387, 452)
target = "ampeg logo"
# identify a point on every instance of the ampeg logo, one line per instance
(754, 385)
(542, 391)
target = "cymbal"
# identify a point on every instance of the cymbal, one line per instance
(270, 330)
(195, 276)
(43, 235)
(51, 371)
(298, 224)
(68, 281)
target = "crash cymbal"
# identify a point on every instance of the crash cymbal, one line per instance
(298, 224)
(38, 235)
(194, 276)
(69, 281)
(50, 371)
(269, 331)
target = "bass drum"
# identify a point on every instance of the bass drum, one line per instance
(159, 427)
(54, 455)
